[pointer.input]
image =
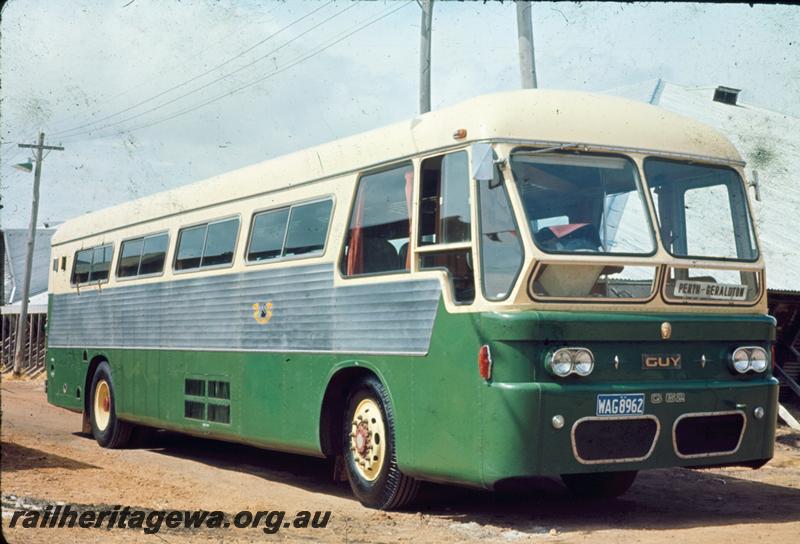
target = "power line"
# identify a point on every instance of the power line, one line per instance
(272, 74)
(107, 99)
(225, 76)
(186, 82)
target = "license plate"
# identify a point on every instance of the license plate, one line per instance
(620, 405)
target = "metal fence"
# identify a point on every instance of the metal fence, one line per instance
(34, 343)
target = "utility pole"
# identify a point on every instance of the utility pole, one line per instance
(527, 61)
(22, 325)
(425, 56)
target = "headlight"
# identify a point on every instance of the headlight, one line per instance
(749, 358)
(566, 361)
(584, 362)
(741, 360)
(561, 364)
(758, 360)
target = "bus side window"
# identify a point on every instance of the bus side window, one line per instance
(190, 247)
(142, 256)
(129, 256)
(445, 219)
(211, 244)
(83, 264)
(220, 243)
(267, 235)
(92, 265)
(501, 248)
(377, 240)
(154, 254)
(308, 228)
(101, 263)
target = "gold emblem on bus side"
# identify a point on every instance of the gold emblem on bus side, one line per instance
(666, 330)
(262, 313)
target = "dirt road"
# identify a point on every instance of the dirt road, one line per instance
(46, 460)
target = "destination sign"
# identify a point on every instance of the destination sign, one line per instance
(709, 290)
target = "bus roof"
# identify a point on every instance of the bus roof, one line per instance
(534, 115)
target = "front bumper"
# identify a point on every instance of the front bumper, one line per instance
(520, 439)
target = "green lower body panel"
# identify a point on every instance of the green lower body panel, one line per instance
(451, 425)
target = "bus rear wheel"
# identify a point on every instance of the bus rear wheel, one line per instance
(368, 450)
(599, 485)
(109, 431)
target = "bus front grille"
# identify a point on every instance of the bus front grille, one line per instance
(707, 434)
(614, 439)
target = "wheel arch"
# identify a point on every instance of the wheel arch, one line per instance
(87, 385)
(342, 378)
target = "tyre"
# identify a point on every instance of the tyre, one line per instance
(109, 431)
(599, 484)
(368, 449)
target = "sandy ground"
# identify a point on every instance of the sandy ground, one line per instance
(45, 459)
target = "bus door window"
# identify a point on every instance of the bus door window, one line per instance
(501, 247)
(377, 240)
(444, 216)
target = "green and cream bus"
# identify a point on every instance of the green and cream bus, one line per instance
(527, 283)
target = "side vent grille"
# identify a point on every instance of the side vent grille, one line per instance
(219, 413)
(207, 400)
(194, 410)
(195, 388)
(219, 390)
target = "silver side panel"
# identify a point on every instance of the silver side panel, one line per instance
(216, 313)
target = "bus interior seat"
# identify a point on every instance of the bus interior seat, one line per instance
(570, 237)
(380, 256)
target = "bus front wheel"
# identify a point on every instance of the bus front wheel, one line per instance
(598, 485)
(109, 431)
(368, 449)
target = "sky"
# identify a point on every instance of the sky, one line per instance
(146, 96)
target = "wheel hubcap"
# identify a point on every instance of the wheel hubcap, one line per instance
(367, 439)
(102, 405)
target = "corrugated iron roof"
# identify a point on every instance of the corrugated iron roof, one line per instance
(16, 241)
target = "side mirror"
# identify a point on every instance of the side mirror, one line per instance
(482, 162)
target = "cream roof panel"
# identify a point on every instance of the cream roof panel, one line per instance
(540, 115)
